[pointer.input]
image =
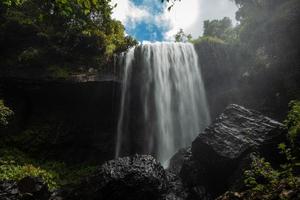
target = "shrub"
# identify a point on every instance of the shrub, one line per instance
(15, 165)
(293, 124)
(5, 114)
(265, 182)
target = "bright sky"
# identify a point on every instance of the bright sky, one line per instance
(151, 21)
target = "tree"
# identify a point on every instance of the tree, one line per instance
(182, 37)
(271, 29)
(221, 29)
(59, 34)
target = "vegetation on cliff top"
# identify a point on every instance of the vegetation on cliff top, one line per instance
(263, 53)
(60, 34)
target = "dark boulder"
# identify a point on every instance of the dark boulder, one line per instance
(137, 177)
(9, 190)
(220, 153)
(188, 172)
(35, 187)
(28, 188)
(175, 188)
(235, 132)
(178, 160)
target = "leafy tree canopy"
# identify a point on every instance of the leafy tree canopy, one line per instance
(180, 36)
(76, 34)
(221, 29)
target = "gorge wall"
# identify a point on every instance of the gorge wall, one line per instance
(70, 121)
(80, 118)
(228, 78)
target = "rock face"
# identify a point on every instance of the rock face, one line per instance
(235, 132)
(28, 188)
(227, 80)
(219, 153)
(137, 177)
(77, 121)
(179, 159)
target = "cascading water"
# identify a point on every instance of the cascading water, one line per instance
(163, 105)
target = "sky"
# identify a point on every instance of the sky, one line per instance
(150, 20)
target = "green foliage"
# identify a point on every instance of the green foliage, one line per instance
(272, 27)
(15, 165)
(59, 72)
(267, 183)
(67, 34)
(293, 124)
(39, 137)
(221, 29)
(5, 114)
(208, 39)
(180, 36)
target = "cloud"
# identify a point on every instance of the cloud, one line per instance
(150, 20)
(126, 12)
(142, 18)
(184, 14)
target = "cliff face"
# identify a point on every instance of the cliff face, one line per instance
(63, 120)
(227, 75)
(79, 116)
(220, 74)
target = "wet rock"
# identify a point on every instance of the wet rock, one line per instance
(178, 160)
(128, 178)
(175, 188)
(188, 172)
(34, 187)
(235, 132)
(220, 154)
(28, 188)
(9, 190)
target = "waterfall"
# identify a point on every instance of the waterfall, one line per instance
(163, 105)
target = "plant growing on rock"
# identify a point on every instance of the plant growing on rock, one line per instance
(5, 114)
(266, 182)
(76, 35)
(293, 124)
(15, 165)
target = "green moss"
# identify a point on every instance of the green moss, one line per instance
(15, 165)
(59, 72)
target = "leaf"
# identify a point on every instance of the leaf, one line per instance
(86, 11)
(282, 146)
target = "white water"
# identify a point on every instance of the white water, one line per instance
(163, 106)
